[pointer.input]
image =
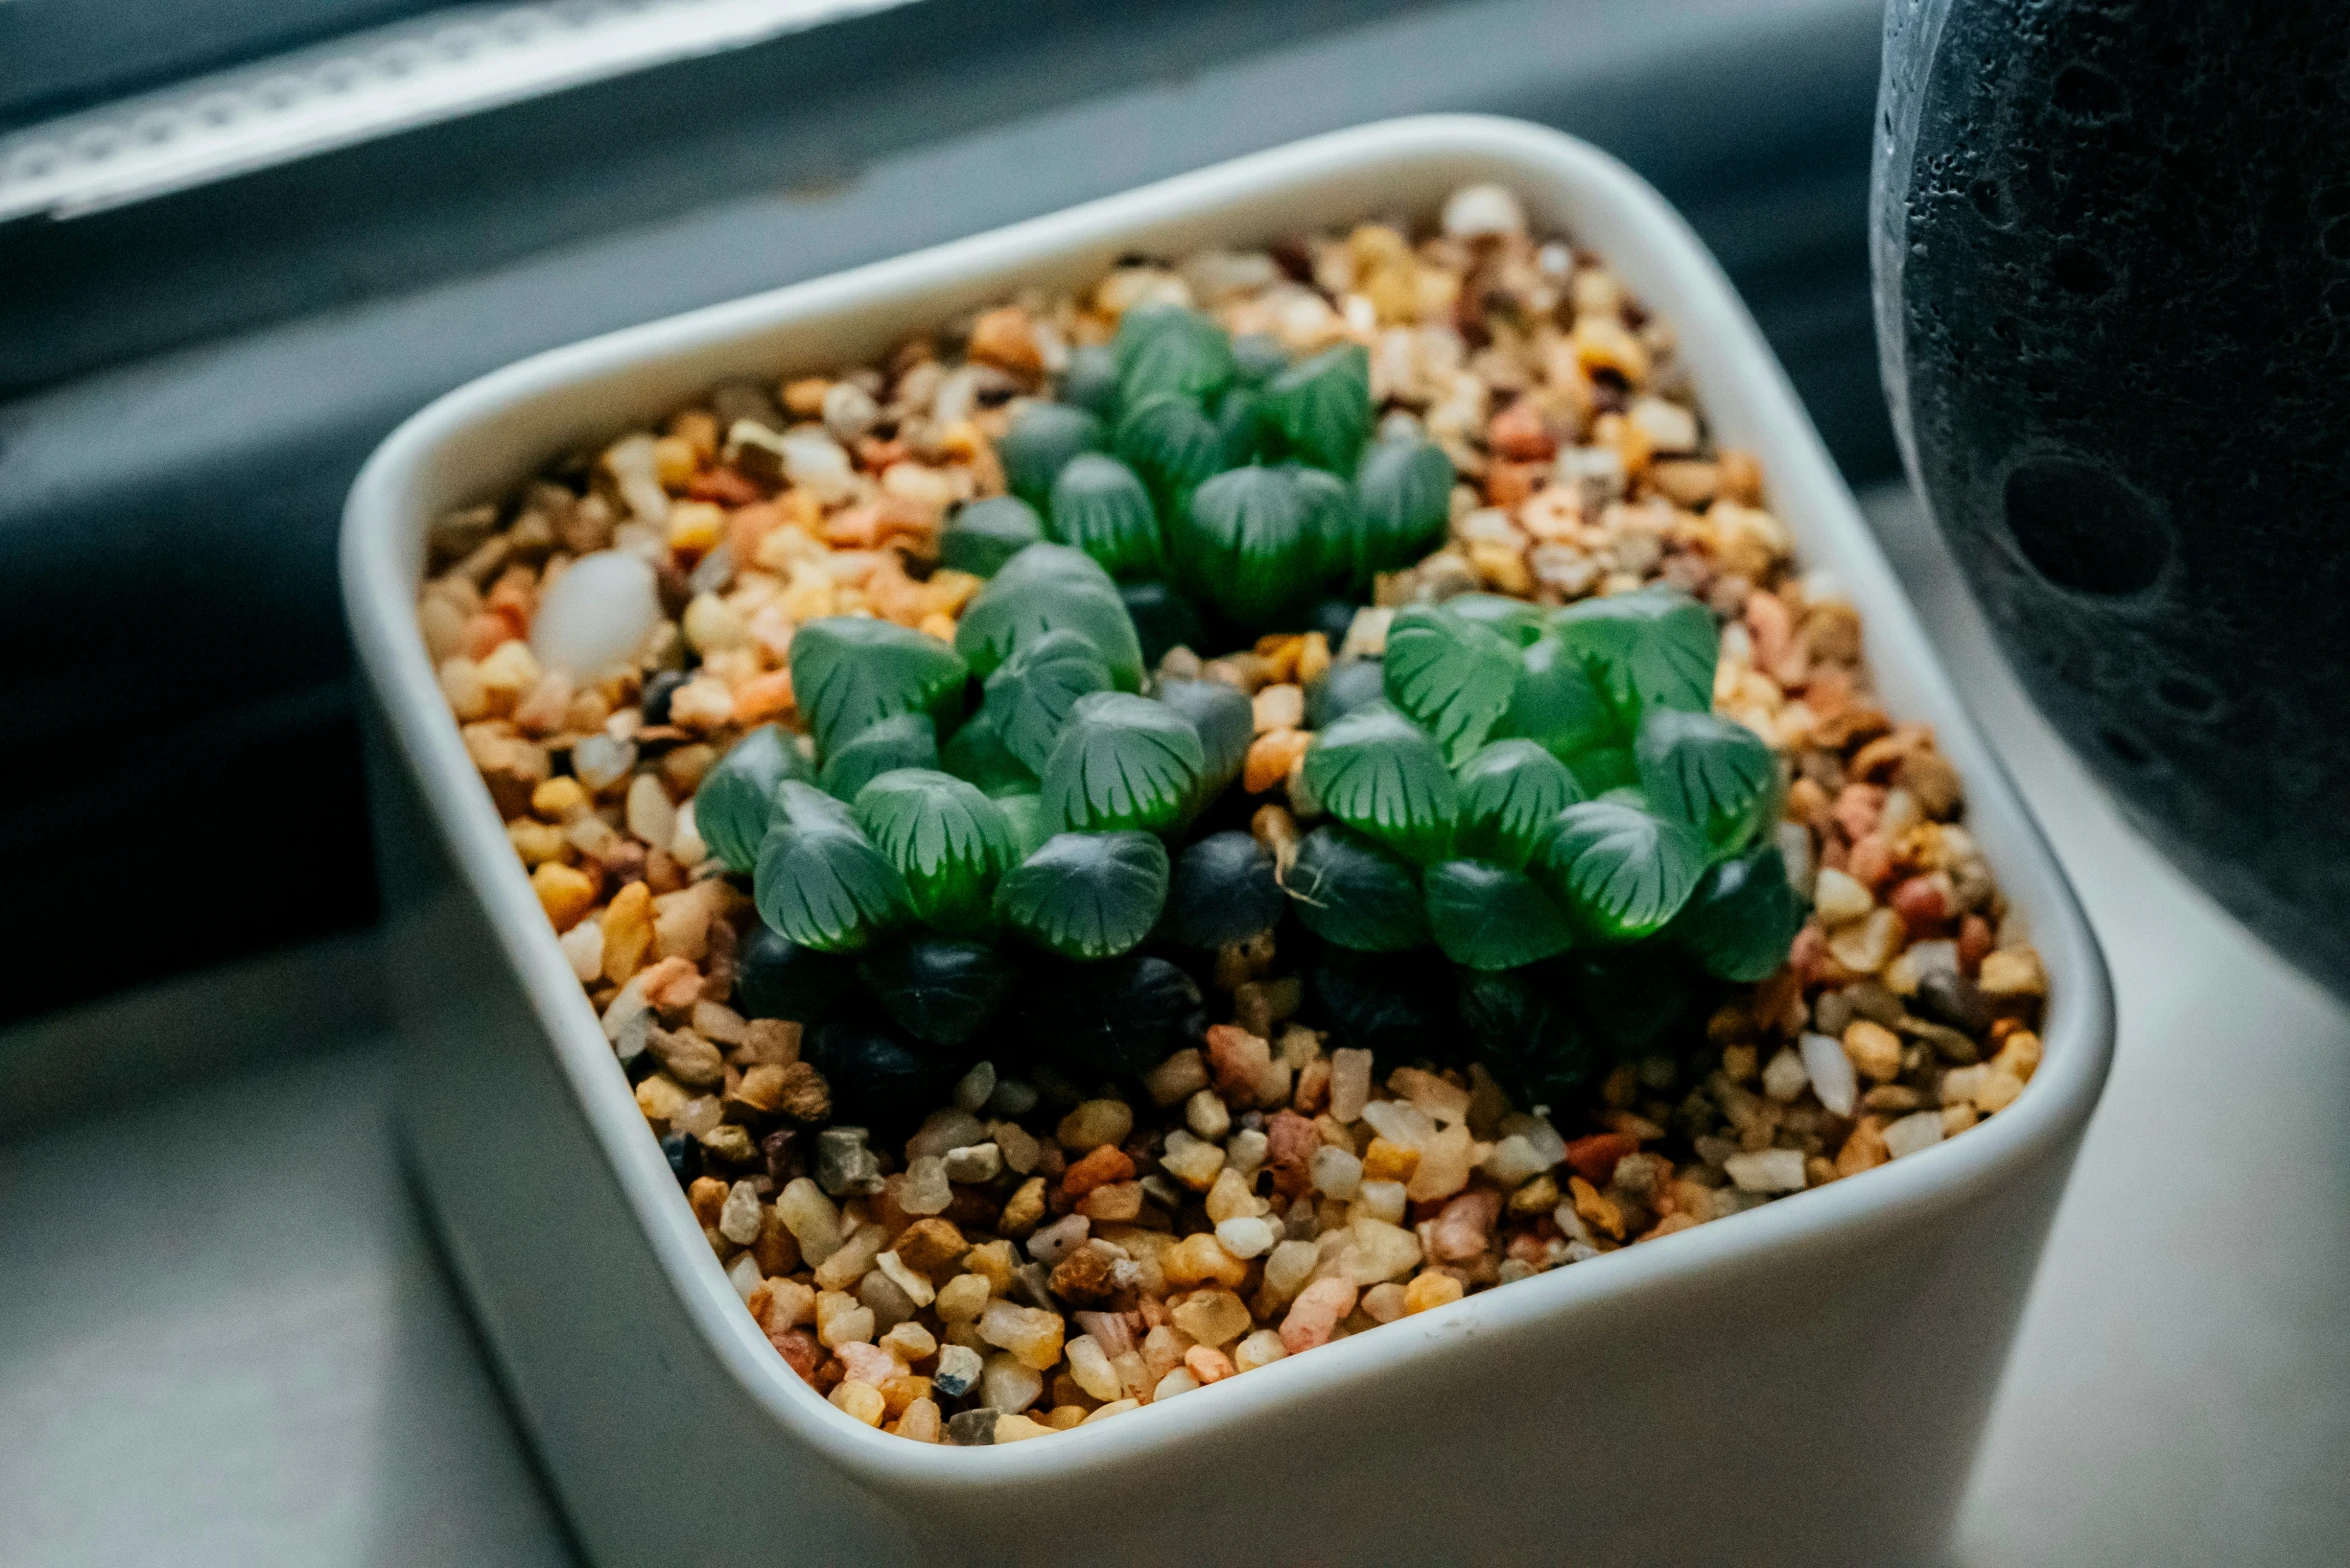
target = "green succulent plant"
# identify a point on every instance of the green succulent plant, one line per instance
(1546, 787)
(1215, 473)
(1531, 833)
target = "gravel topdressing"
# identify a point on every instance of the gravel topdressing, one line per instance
(1043, 1250)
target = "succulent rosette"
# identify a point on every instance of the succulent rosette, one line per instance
(1531, 838)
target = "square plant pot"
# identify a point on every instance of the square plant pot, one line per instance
(1804, 1382)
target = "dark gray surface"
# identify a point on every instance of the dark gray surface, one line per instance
(224, 1340)
(193, 492)
(2117, 255)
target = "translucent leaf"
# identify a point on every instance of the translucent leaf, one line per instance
(1396, 1005)
(1608, 772)
(1617, 871)
(1323, 405)
(1170, 348)
(1332, 506)
(1030, 694)
(820, 881)
(1742, 920)
(937, 989)
(1245, 431)
(1380, 774)
(978, 756)
(1712, 775)
(1091, 381)
(1350, 891)
(985, 534)
(1450, 674)
(1116, 1019)
(1223, 891)
(1511, 792)
(1486, 916)
(879, 1074)
(1122, 762)
(775, 977)
(905, 740)
(1515, 619)
(1627, 998)
(1652, 648)
(1556, 704)
(1025, 814)
(1043, 588)
(736, 799)
(1523, 1026)
(1162, 618)
(1087, 895)
(1043, 437)
(948, 842)
(851, 671)
(1249, 544)
(1226, 722)
(1099, 505)
(1171, 444)
(1349, 685)
(1403, 496)
(1257, 358)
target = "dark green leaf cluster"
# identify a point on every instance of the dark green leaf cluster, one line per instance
(1214, 474)
(1546, 799)
(962, 814)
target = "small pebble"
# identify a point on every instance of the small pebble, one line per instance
(1247, 1236)
(958, 1371)
(738, 1221)
(597, 615)
(1832, 1076)
(844, 1165)
(974, 1163)
(974, 1088)
(1921, 1130)
(1771, 1170)
(971, 1428)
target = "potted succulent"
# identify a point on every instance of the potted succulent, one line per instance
(1491, 850)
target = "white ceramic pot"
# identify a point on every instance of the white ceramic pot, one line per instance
(1803, 1383)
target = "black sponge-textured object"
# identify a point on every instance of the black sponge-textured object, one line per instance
(2112, 251)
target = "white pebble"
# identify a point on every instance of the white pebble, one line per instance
(1007, 1385)
(926, 1190)
(1785, 1077)
(1246, 1236)
(1207, 1115)
(1771, 1170)
(1920, 1130)
(1336, 1173)
(650, 815)
(1514, 1159)
(1477, 210)
(743, 1275)
(583, 949)
(1380, 1200)
(1832, 1077)
(1246, 1152)
(597, 615)
(919, 1291)
(1057, 1240)
(1838, 898)
(820, 464)
(738, 1217)
(974, 1163)
(1179, 1381)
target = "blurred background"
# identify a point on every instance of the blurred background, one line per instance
(240, 240)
